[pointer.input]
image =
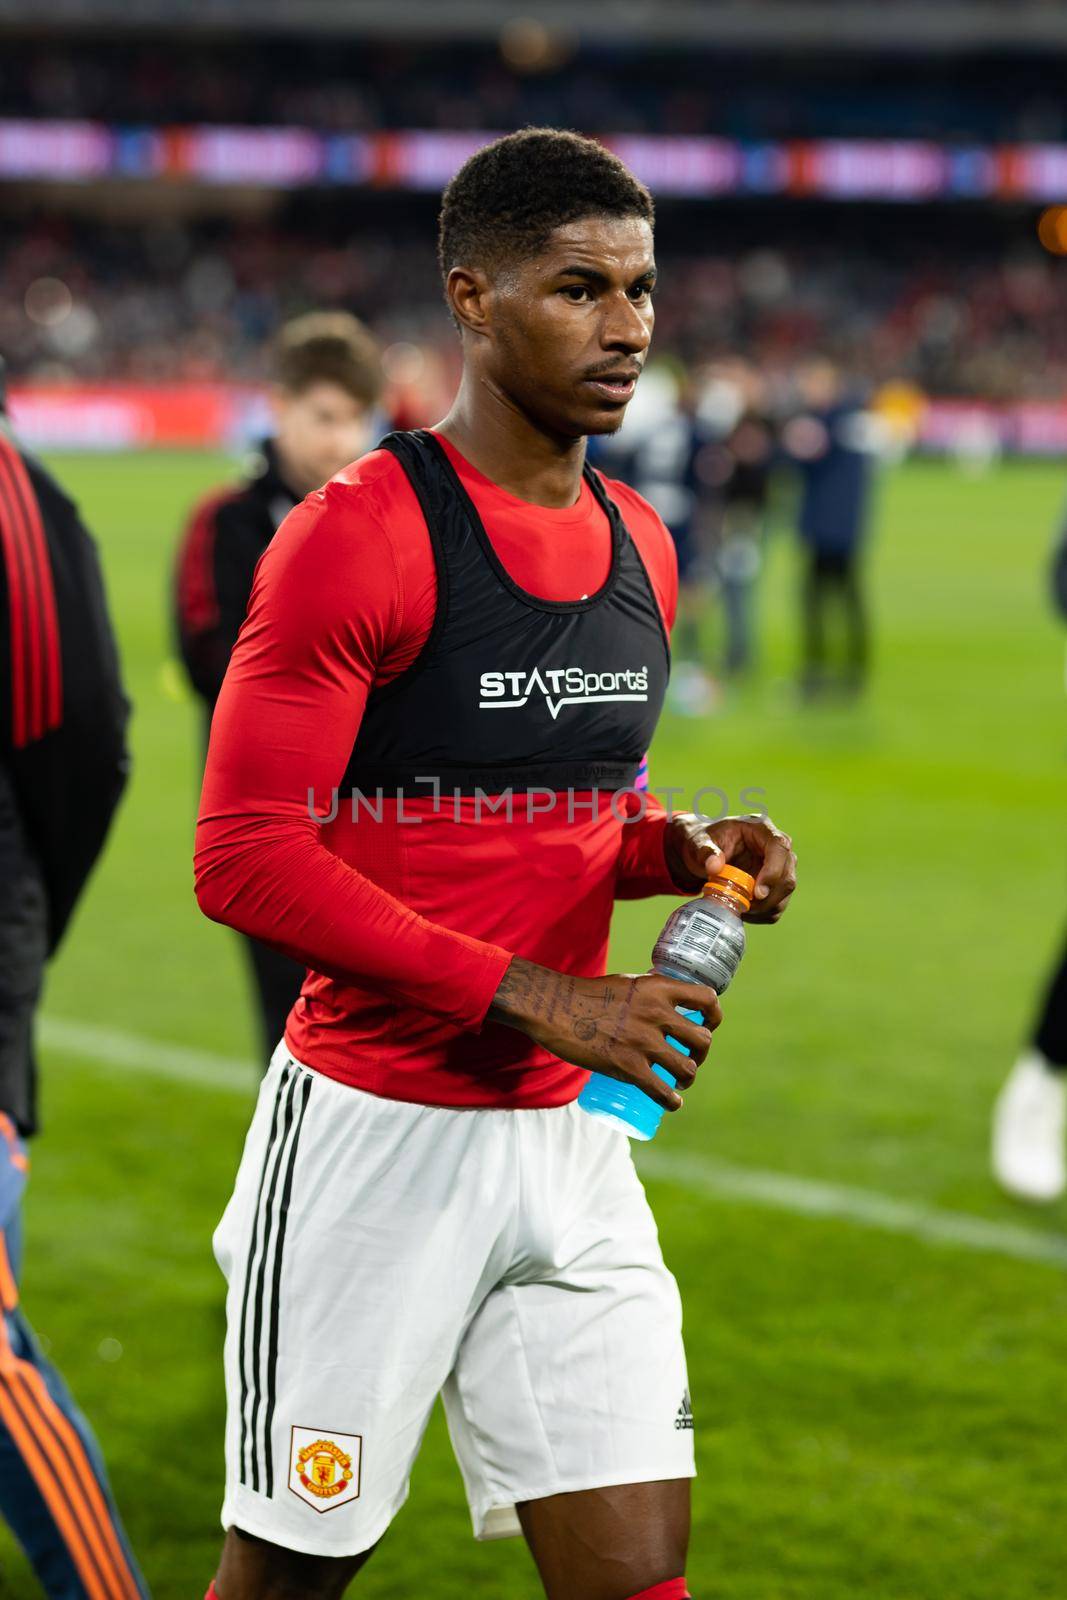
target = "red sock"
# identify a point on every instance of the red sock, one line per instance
(673, 1589)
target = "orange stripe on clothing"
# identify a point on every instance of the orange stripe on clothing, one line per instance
(19, 1159)
(9, 1289)
(44, 1469)
(85, 1521)
(85, 1479)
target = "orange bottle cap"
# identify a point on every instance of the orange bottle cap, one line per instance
(733, 882)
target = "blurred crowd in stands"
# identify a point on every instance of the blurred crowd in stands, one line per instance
(187, 302)
(530, 76)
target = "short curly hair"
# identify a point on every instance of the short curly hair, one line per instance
(509, 197)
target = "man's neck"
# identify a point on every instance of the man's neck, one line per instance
(511, 450)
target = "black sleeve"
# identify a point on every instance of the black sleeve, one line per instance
(212, 581)
(68, 778)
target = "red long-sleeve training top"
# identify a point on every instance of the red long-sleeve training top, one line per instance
(407, 927)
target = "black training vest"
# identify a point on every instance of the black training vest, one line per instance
(510, 691)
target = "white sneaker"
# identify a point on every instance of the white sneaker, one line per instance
(1029, 1121)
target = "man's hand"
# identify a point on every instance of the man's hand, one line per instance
(695, 851)
(617, 1025)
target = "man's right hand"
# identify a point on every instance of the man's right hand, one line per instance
(616, 1025)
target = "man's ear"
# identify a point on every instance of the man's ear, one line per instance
(469, 294)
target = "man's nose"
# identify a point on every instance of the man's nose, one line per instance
(626, 327)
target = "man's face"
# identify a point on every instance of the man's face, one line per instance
(570, 328)
(318, 431)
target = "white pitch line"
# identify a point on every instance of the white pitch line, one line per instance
(108, 1047)
(866, 1208)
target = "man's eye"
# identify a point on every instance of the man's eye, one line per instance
(577, 292)
(641, 291)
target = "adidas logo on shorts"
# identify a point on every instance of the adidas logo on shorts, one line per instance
(684, 1419)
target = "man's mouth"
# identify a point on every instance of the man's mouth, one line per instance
(615, 386)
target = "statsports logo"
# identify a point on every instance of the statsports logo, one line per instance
(560, 686)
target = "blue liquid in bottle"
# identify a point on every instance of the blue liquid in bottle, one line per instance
(701, 942)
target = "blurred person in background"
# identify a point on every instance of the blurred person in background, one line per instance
(732, 476)
(1030, 1116)
(829, 443)
(63, 767)
(328, 387)
(655, 452)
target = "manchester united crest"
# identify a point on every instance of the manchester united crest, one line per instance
(324, 1467)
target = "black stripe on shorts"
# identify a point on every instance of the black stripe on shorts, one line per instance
(261, 1311)
(275, 1299)
(242, 1341)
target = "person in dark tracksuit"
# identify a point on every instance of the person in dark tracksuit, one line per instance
(329, 381)
(1030, 1117)
(745, 460)
(63, 766)
(828, 446)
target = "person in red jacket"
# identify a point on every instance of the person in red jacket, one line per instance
(423, 783)
(328, 382)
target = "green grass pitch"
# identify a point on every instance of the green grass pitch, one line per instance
(876, 1415)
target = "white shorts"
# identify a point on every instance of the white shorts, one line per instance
(378, 1253)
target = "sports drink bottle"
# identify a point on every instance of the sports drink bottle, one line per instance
(701, 942)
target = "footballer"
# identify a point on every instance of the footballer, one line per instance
(453, 663)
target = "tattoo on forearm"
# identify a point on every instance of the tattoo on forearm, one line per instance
(624, 1014)
(532, 991)
(556, 1000)
(560, 994)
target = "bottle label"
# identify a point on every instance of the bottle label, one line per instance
(705, 944)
